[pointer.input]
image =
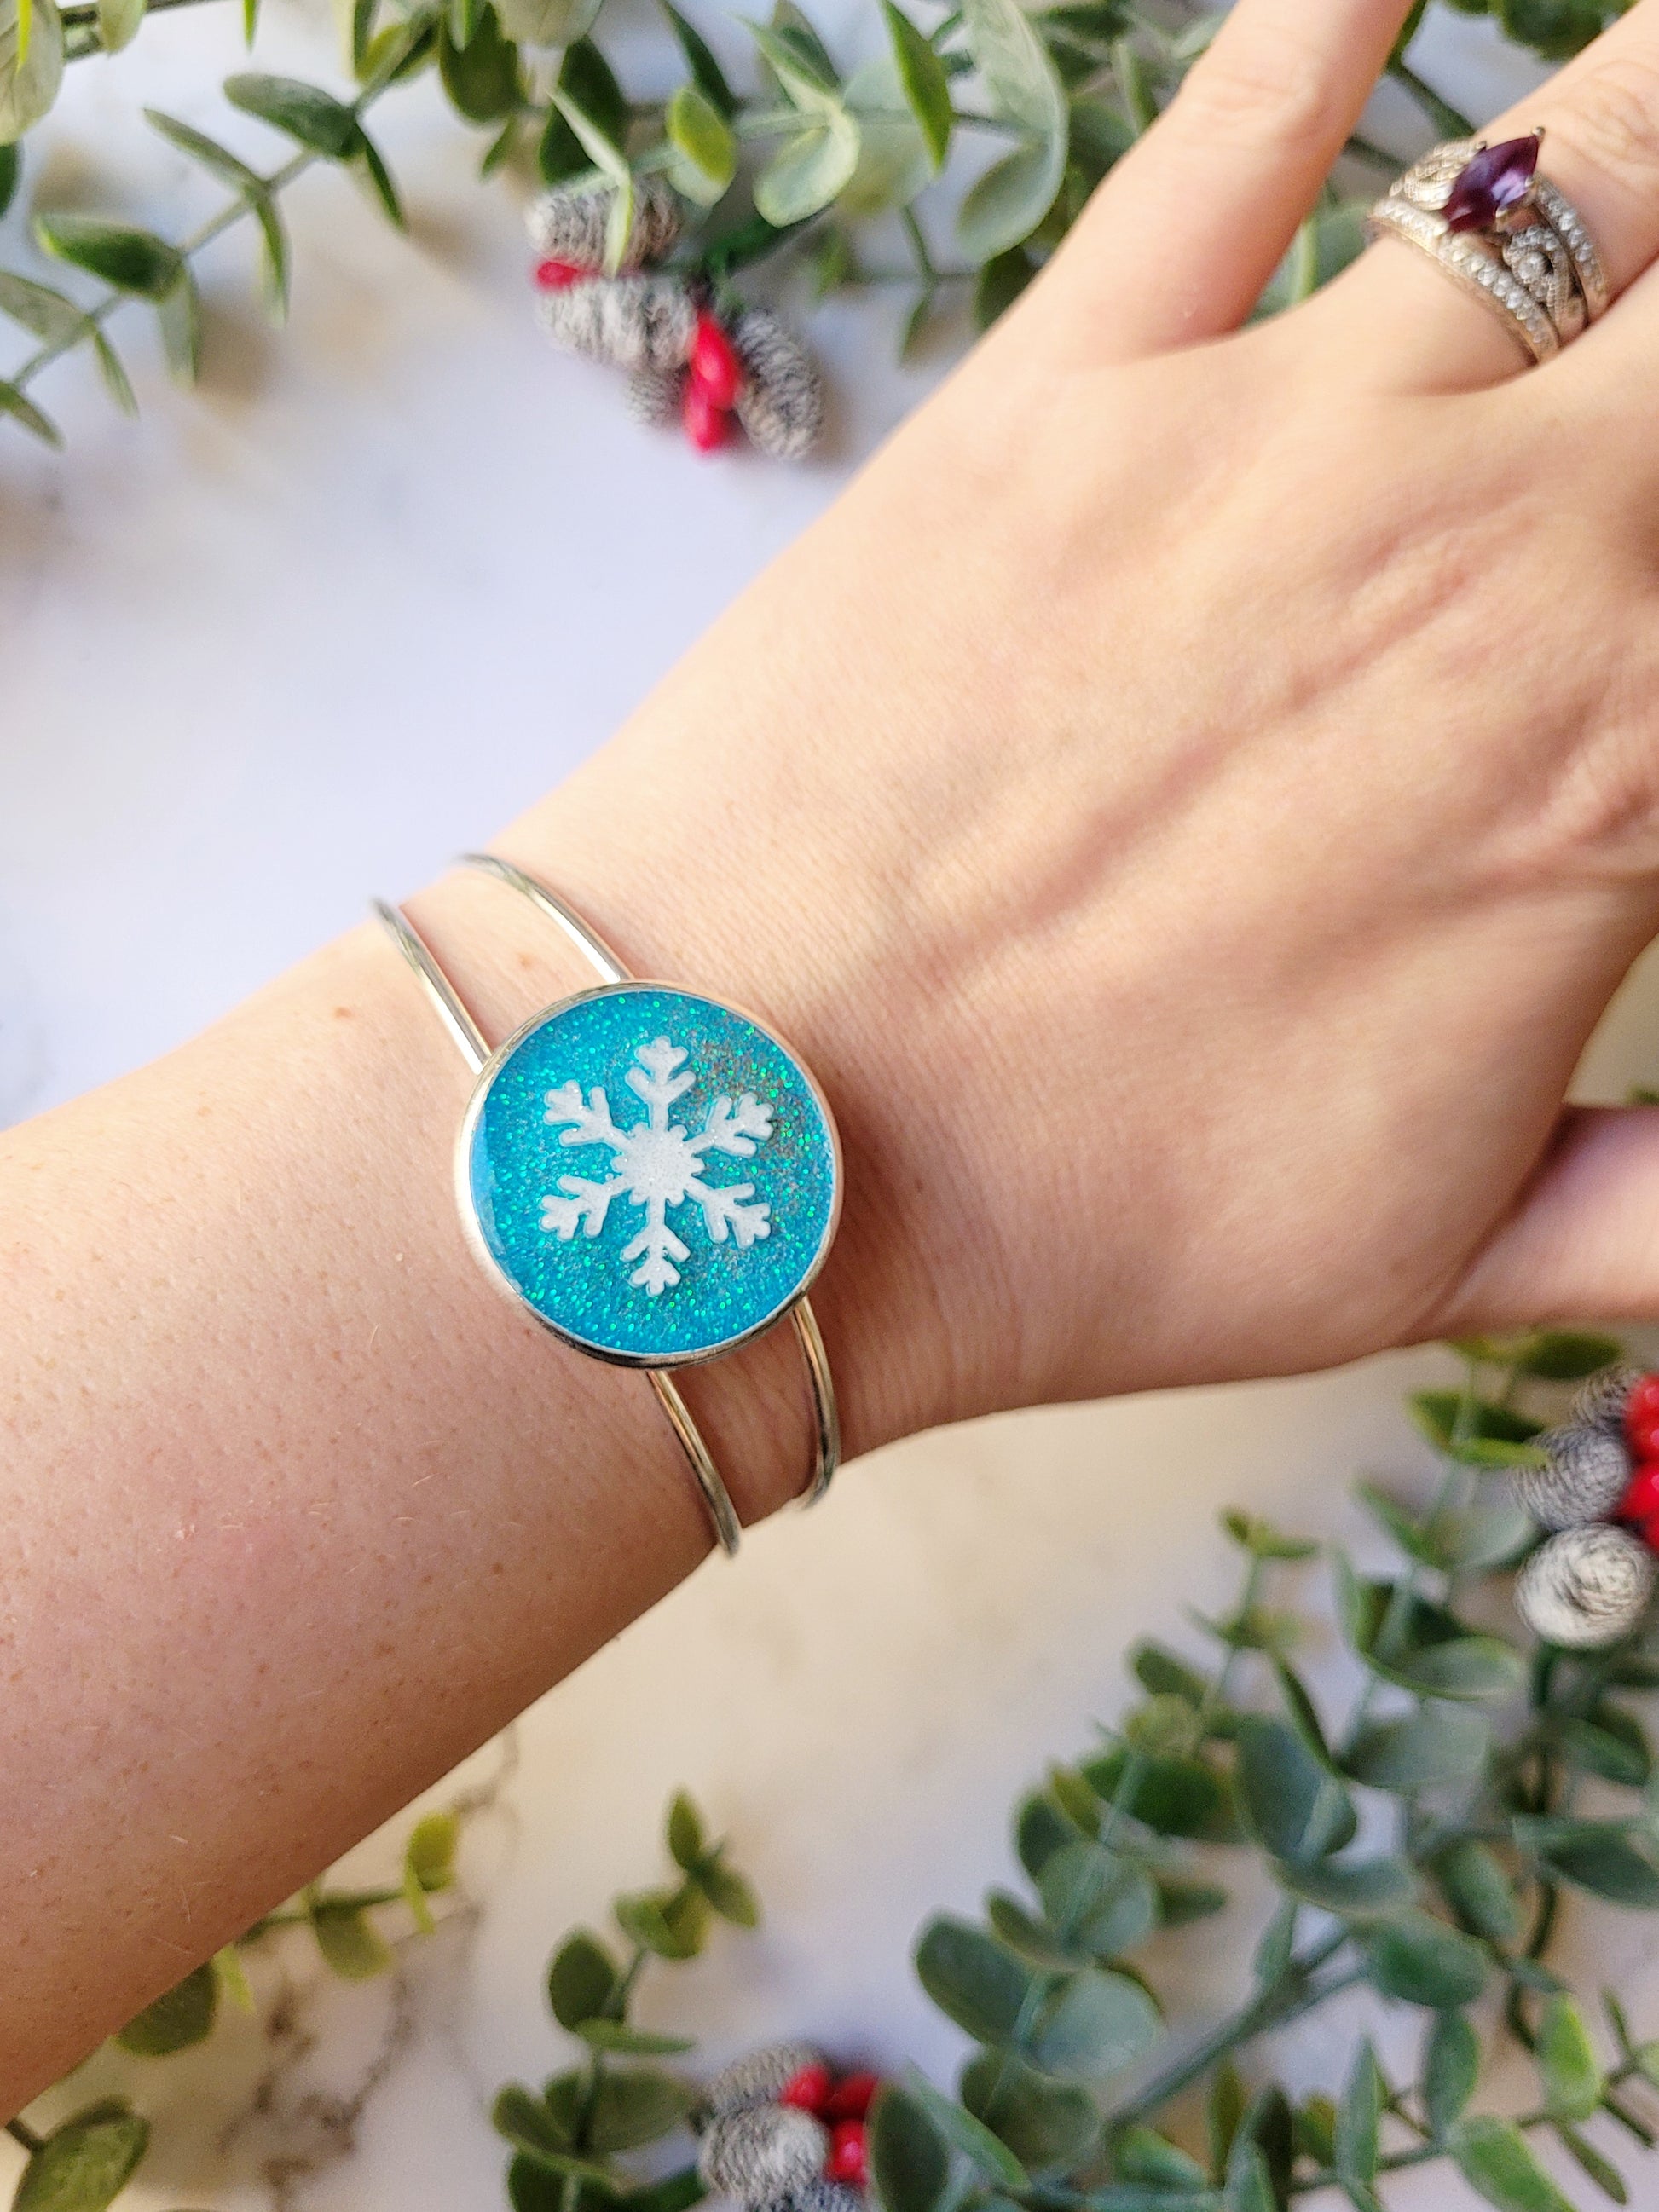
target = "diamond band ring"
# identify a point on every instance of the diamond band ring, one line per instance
(1503, 233)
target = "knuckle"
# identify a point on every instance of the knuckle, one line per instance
(1614, 121)
(1270, 93)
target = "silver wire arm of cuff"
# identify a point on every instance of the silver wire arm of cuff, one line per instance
(474, 1047)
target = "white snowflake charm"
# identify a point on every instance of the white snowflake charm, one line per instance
(658, 1164)
(571, 1187)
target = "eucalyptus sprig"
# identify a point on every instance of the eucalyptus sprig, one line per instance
(800, 166)
(567, 2138)
(84, 2162)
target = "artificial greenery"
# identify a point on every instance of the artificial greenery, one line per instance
(1506, 1775)
(797, 167)
(566, 2138)
(87, 2159)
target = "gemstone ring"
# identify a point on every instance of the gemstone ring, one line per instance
(1503, 233)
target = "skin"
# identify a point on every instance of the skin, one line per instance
(1194, 908)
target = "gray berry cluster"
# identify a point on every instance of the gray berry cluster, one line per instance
(644, 320)
(763, 2155)
(1592, 1582)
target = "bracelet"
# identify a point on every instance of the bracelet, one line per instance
(570, 1248)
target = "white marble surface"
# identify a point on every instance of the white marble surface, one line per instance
(300, 635)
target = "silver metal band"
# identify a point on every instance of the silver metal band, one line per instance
(474, 1047)
(1472, 270)
(1513, 240)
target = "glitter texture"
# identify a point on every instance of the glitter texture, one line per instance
(518, 1169)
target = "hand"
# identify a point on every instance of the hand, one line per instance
(1194, 796)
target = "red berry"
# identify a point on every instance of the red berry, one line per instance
(848, 2159)
(1643, 1437)
(809, 2089)
(705, 422)
(851, 2097)
(554, 275)
(1641, 1406)
(1649, 1532)
(715, 363)
(1641, 1500)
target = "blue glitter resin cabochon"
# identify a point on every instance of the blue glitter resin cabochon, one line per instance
(652, 1173)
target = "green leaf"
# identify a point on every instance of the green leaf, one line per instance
(1045, 2124)
(117, 23)
(986, 2152)
(1267, 2124)
(11, 172)
(47, 313)
(925, 84)
(973, 1979)
(894, 165)
(1302, 1714)
(1432, 1654)
(85, 2164)
(1224, 2108)
(527, 2124)
(1611, 1743)
(1606, 2176)
(661, 1920)
(636, 2107)
(1466, 1435)
(314, 119)
(1180, 1901)
(429, 1855)
(1438, 1746)
(1296, 1811)
(615, 2035)
(795, 28)
(184, 2016)
(1315, 2127)
(1040, 1830)
(1175, 1796)
(1164, 1674)
(1492, 2157)
(1421, 1960)
(1247, 2188)
(1271, 1961)
(1561, 1355)
(1614, 1859)
(1358, 2117)
(179, 312)
(1097, 1900)
(21, 408)
(909, 2159)
(1261, 1540)
(586, 78)
(1093, 2025)
(1030, 1938)
(687, 1843)
(1145, 2155)
(1451, 2067)
(1357, 1890)
(999, 283)
(702, 137)
(1478, 1891)
(547, 23)
(807, 171)
(706, 72)
(482, 77)
(232, 1978)
(365, 153)
(581, 1979)
(1567, 2064)
(131, 260)
(31, 66)
(729, 1893)
(348, 1942)
(1005, 206)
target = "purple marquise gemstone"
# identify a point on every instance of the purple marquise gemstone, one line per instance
(1496, 179)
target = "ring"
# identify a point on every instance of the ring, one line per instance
(1503, 233)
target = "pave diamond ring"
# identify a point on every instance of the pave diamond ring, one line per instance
(1503, 233)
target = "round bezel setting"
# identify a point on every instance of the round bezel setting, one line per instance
(654, 1174)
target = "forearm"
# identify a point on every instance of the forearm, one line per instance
(302, 1509)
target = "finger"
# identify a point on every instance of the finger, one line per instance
(1179, 241)
(1601, 120)
(1583, 1244)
